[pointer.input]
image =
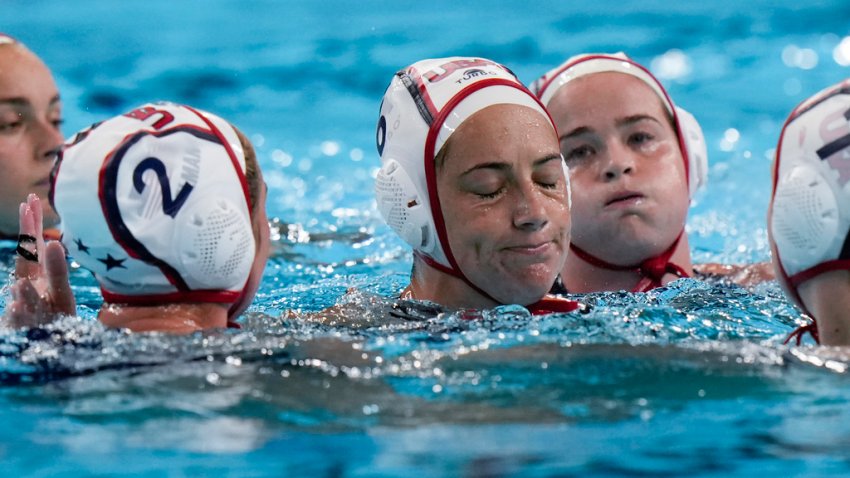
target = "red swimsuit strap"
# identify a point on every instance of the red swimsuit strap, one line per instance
(652, 270)
(552, 305)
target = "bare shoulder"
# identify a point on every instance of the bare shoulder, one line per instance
(360, 309)
(742, 274)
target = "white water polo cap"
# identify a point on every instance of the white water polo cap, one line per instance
(809, 215)
(155, 203)
(691, 140)
(424, 104)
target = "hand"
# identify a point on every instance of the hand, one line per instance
(42, 290)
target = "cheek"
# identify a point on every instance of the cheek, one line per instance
(466, 236)
(16, 172)
(558, 212)
(17, 145)
(582, 196)
(672, 182)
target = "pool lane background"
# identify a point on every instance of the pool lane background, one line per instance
(304, 79)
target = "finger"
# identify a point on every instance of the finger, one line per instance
(26, 267)
(22, 311)
(34, 203)
(58, 284)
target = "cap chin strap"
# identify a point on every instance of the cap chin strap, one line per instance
(652, 270)
(452, 272)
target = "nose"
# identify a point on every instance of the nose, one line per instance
(47, 138)
(621, 161)
(530, 213)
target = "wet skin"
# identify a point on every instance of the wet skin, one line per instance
(630, 194)
(503, 195)
(30, 117)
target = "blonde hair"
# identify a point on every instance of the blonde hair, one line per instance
(252, 170)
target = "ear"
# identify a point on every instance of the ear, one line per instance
(695, 148)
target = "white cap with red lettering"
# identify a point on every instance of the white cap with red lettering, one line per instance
(424, 104)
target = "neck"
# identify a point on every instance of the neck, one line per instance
(826, 298)
(581, 276)
(428, 283)
(170, 318)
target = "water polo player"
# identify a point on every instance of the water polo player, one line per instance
(472, 178)
(30, 117)
(635, 159)
(165, 205)
(809, 214)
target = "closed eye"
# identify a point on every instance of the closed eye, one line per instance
(491, 195)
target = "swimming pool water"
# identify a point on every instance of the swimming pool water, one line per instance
(692, 379)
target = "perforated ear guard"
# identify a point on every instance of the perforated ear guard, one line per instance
(809, 215)
(155, 204)
(690, 134)
(403, 208)
(805, 218)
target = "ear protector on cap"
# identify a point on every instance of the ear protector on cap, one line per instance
(403, 208)
(809, 215)
(155, 203)
(691, 139)
(424, 104)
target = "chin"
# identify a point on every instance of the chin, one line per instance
(526, 296)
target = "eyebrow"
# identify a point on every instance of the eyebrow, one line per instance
(14, 101)
(506, 166)
(575, 132)
(19, 101)
(628, 120)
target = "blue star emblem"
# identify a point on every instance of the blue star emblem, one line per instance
(112, 263)
(80, 246)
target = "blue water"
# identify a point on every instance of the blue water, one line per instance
(690, 380)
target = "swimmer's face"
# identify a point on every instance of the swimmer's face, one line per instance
(30, 116)
(504, 200)
(630, 194)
